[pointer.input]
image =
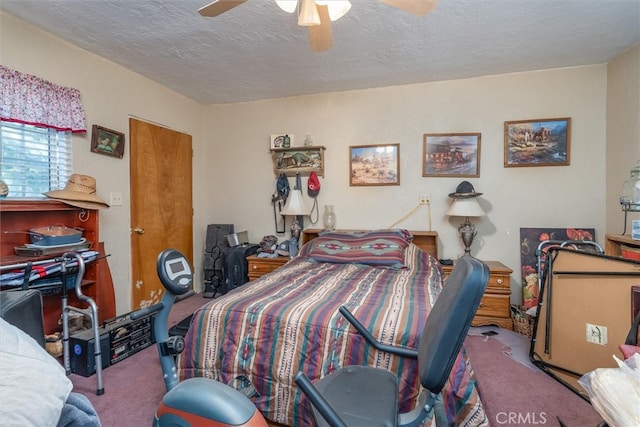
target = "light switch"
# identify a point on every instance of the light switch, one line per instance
(116, 199)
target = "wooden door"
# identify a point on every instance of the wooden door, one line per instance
(161, 204)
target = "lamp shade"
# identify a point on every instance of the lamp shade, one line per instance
(295, 205)
(288, 6)
(419, 8)
(465, 208)
(308, 14)
(337, 8)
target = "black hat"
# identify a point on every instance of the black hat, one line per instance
(464, 190)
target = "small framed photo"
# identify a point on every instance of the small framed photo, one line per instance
(107, 141)
(374, 165)
(451, 154)
(539, 142)
(281, 140)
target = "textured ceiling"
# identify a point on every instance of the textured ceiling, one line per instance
(257, 51)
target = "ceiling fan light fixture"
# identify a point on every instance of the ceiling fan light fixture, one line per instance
(337, 8)
(308, 14)
(288, 6)
(417, 7)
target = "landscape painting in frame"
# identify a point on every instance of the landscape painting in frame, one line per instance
(540, 142)
(374, 165)
(451, 154)
(530, 240)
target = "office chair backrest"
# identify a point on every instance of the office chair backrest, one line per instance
(449, 321)
(23, 309)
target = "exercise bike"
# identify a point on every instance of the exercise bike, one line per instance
(195, 401)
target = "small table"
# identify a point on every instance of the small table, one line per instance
(495, 307)
(260, 266)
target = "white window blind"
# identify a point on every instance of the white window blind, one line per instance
(33, 159)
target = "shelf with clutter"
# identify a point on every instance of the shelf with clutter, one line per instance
(19, 216)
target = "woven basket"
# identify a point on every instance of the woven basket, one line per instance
(53, 344)
(522, 322)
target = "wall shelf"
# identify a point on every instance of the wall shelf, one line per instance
(613, 242)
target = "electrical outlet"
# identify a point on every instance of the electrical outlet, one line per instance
(425, 199)
(116, 199)
(597, 334)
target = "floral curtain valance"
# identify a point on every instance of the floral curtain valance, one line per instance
(35, 101)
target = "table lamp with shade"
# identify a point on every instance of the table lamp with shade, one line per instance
(295, 207)
(465, 204)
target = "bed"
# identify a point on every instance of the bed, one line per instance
(259, 336)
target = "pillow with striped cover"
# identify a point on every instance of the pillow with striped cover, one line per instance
(384, 248)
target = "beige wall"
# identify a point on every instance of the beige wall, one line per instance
(110, 94)
(233, 174)
(623, 133)
(513, 197)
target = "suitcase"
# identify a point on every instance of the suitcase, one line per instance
(235, 266)
(215, 244)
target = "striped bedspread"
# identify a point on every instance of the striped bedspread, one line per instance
(288, 321)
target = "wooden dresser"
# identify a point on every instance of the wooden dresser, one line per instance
(259, 266)
(495, 307)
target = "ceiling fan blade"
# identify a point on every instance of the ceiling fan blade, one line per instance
(320, 36)
(219, 7)
(417, 7)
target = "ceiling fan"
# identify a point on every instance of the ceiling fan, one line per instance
(317, 15)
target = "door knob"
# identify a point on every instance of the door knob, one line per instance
(139, 230)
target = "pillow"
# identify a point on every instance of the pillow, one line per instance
(393, 232)
(377, 248)
(33, 385)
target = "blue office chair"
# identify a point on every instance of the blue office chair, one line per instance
(366, 396)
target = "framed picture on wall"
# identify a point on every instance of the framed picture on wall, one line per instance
(302, 160)
(451, 154)
(539, 142)
(374, 165)
(107, 141)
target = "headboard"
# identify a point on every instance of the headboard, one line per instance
(425, 240)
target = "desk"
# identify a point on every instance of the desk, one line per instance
(22, 215)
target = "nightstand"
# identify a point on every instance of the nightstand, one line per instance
(495, 307)
(259, 266)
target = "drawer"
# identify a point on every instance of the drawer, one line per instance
(498, 281)
(259, 266)
(263, 267)
(494, 305)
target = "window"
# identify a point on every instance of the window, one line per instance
(34, 160)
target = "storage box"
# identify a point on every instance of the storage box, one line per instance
(237, 239)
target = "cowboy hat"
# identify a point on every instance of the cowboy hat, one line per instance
(464, 190)
(80, 191)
